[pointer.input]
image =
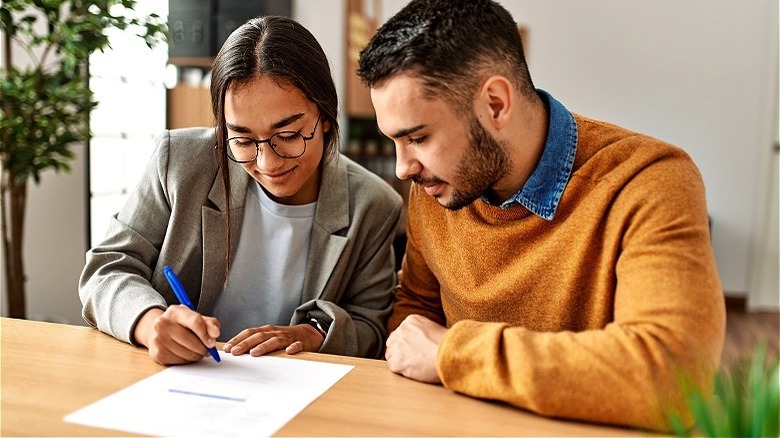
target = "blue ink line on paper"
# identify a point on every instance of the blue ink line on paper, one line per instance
(201, 394)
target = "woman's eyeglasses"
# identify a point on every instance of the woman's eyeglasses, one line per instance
(286, 144)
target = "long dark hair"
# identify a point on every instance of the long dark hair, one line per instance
(280, 48)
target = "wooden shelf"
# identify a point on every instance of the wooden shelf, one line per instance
(361, 25)
(189, 106)
(203, 62)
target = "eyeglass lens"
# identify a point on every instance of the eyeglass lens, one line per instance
(284, 144)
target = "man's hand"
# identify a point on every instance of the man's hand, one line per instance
(412, 349)
(178, 335)
(262, 340)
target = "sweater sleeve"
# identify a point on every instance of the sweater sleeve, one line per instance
(417, 292)
(667, 332)
(115, 286)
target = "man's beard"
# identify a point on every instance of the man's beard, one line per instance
(485, 163)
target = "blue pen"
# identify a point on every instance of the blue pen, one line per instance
(181, 295)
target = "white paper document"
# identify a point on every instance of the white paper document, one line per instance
(241, 396)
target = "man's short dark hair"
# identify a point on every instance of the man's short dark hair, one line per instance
(452, 45)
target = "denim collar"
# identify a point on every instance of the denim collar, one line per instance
(543, 190)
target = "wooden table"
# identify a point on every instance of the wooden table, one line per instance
(51, 370)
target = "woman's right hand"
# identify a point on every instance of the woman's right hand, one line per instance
(176, 336)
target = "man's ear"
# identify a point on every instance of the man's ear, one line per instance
(496, 97)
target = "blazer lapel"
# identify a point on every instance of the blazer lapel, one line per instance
(332, 215)
(215, 235)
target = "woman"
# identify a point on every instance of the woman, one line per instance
(282, 241)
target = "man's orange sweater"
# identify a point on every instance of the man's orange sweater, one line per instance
(602, 313)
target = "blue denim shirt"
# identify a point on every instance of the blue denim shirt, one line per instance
(543, 190)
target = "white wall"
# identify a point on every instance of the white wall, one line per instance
(56, 240)
(326, 20)
(55, 243)
(765, 279)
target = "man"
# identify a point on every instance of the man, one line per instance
(570, 271)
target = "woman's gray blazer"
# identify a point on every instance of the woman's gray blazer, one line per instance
(176, 217)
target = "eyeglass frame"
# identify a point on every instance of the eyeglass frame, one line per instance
(258, 142)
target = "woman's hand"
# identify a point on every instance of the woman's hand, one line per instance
(178, 335)
(262, 340)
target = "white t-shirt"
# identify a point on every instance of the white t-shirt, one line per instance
(266, 275)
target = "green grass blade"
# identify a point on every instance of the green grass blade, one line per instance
(745, 403)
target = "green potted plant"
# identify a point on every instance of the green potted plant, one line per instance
(46, 103)
(745, 403)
